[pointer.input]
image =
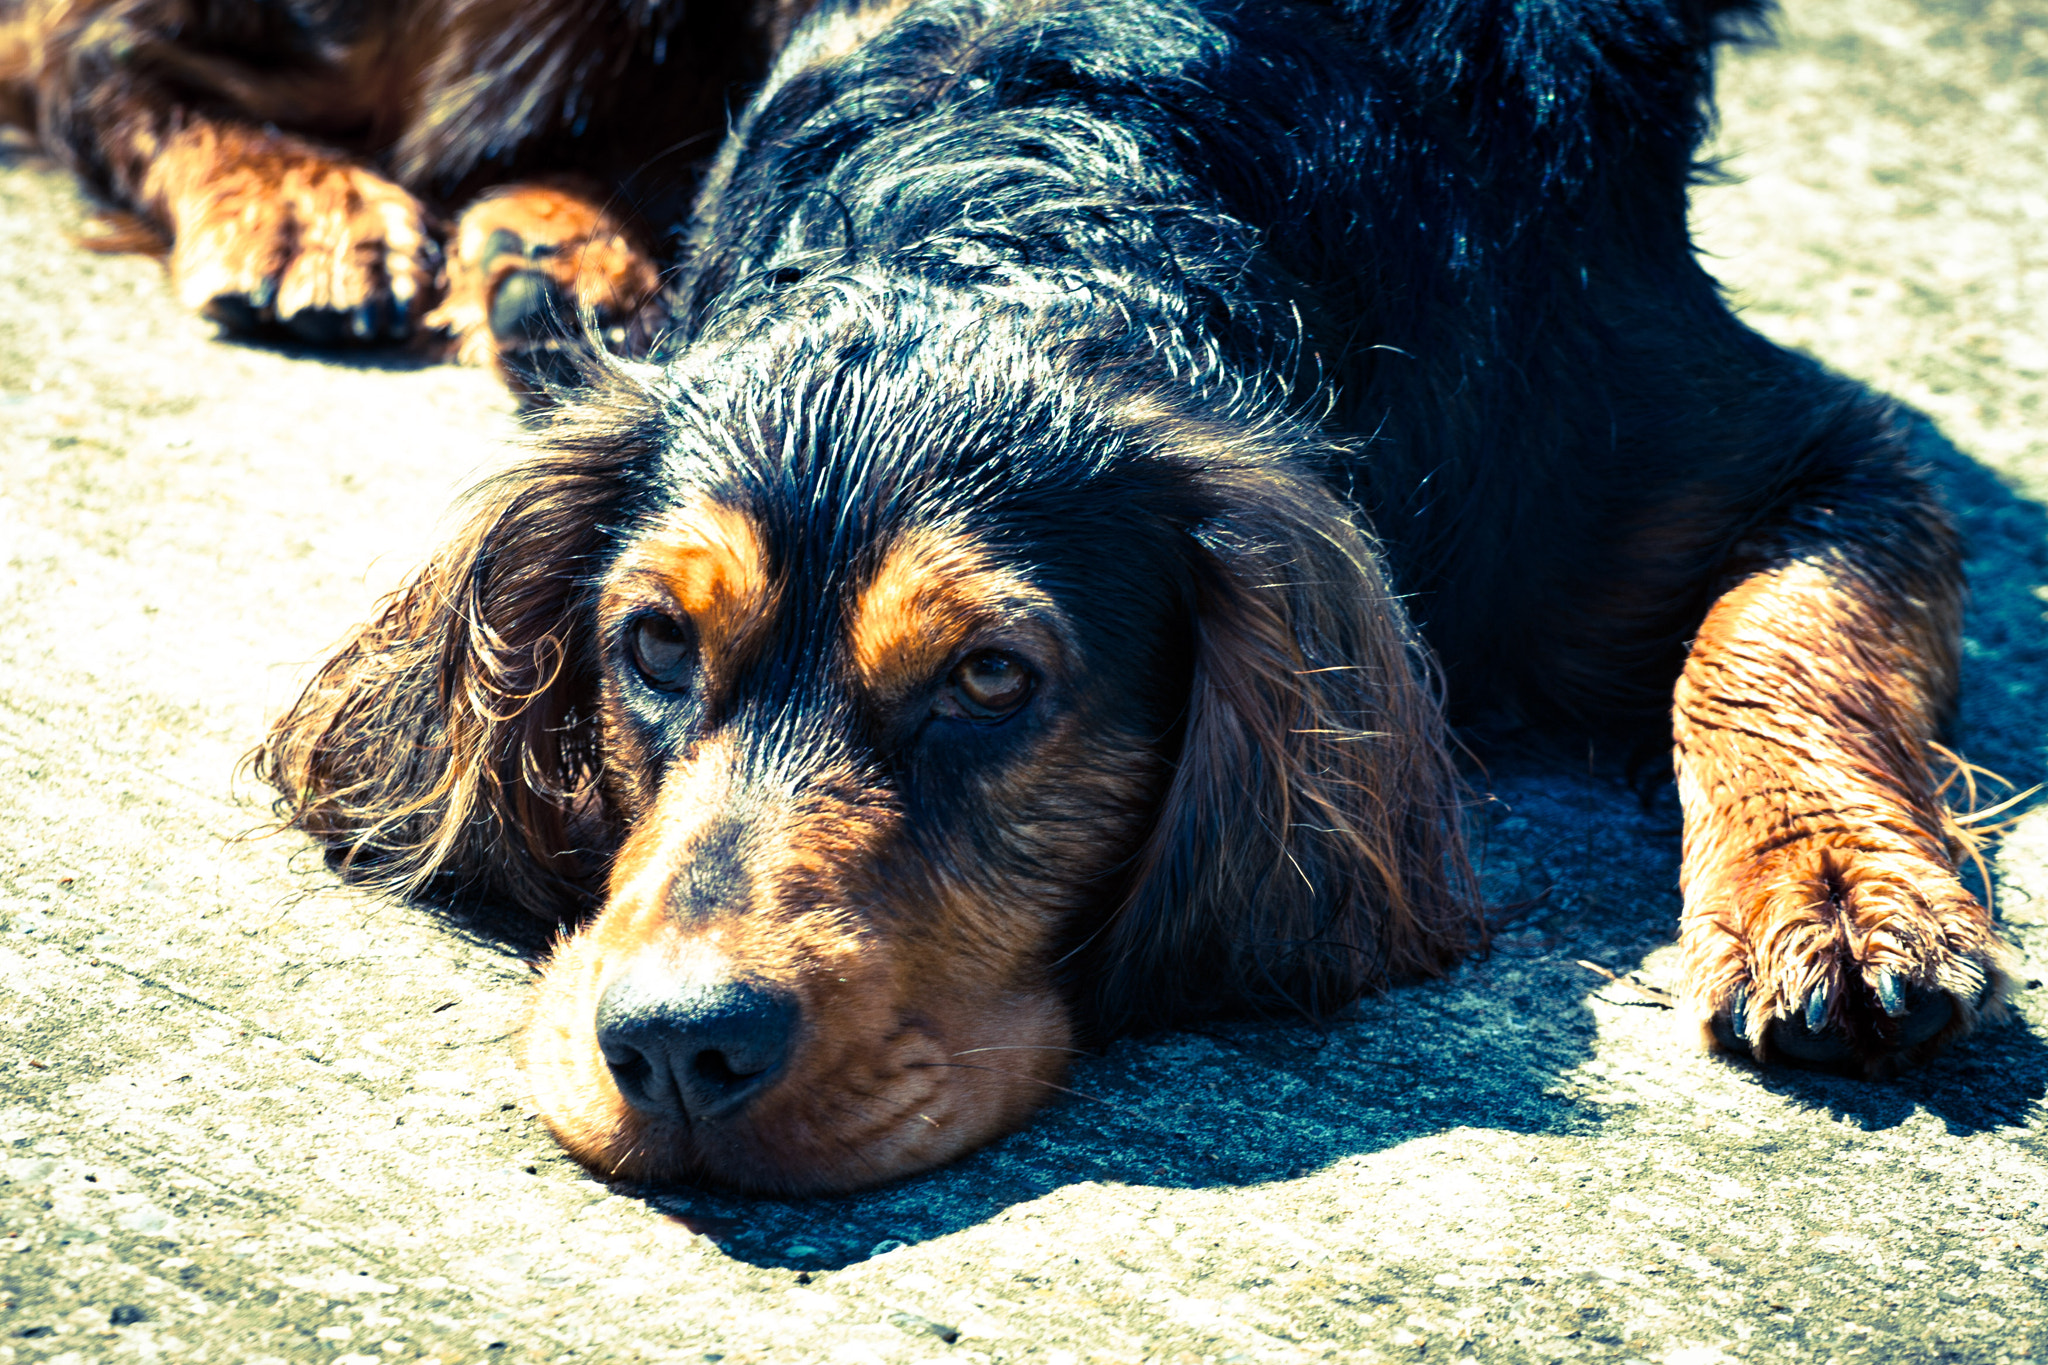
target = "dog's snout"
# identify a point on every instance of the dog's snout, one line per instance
(693, 1049)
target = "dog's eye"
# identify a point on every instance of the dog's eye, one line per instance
(663, 649)
(987, 686)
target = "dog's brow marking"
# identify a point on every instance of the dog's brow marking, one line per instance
(934, 589)
(710, 561)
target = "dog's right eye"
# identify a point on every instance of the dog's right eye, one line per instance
(664, 650)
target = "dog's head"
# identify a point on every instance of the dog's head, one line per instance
(916, 699)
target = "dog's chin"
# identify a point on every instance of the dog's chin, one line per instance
(875, 1087)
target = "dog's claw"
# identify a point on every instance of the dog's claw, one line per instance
(1731, 1025)
(1817, 1008)
(1891, 993)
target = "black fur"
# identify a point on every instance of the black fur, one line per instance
(1452, 235)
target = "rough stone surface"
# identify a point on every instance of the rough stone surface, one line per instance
(246, 1115)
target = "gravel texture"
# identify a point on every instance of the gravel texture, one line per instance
(247, 1115)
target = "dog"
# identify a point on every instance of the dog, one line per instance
(298, 159)
(1102, 448)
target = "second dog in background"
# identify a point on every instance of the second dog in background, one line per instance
(359, 173)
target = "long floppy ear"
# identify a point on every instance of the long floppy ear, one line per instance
(454, 740)
(1308, 848)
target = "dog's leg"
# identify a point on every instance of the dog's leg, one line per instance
(1824, 918)
(527, 263)
(271, 231)
(266, 230)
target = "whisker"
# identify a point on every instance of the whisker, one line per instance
(1016, 1075)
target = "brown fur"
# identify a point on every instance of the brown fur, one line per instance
(1314, 776)
(456, 736)
(1818, 852)
(596, 260)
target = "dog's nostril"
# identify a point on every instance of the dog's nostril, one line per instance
(692, 1049)
(628, 1067)
(713, 1069)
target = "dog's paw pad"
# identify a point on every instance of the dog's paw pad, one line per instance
(1805, 1034)
(538, 270)
(1917, 1012)
(528, 307)
(322, 327)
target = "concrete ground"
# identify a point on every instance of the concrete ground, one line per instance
(248, 1115)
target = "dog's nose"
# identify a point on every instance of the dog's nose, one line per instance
(692, 1049)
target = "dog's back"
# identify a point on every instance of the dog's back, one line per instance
(1462, 226)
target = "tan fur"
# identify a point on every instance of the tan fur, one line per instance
(594, 257)
(707, 563)
(934, 593)
(245, 206)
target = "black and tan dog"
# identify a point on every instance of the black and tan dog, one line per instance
(1021, 604)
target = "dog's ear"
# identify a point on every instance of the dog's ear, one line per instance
(1308, 848)
(453, 742)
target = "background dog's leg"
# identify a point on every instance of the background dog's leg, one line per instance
(527, 262)
(1823, 915)
(266, 229)
(269, 230)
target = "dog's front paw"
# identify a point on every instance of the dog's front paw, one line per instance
(1840, 956)
(273, 235)
(526, 265)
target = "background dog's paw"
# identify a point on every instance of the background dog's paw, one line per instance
(1840, 957)
(273, 236)
(526, 263)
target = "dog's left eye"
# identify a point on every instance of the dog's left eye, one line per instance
(987, 686)
(663, 650)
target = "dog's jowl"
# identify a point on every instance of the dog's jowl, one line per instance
(1101, 447)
